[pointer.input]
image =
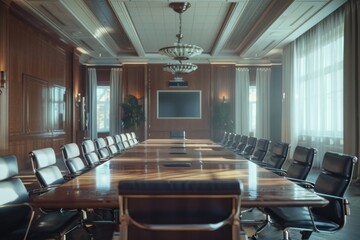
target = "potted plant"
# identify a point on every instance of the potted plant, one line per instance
(133, 114)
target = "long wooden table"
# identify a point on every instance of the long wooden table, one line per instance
(165, 159)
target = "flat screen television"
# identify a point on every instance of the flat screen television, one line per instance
(179, 104)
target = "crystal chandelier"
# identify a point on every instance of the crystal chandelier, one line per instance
(178, 68)
(180, 51)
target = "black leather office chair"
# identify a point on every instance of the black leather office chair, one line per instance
(250, 147)
(133, 135)
(224, 138)
(301, 164)
(178, 134)
(242, 143)
(230, 140)
(44, 166)
(236, 141)
(276, 157)
(260, 150)
(130, 139)
(332, 183)
(90, 154)
(17, 219)
(72, 159)
(112, 145)
(180, 209)
(102, 149)
(125, 141)
(119, 143)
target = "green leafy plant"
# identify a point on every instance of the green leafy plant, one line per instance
(133, 114)
(222, 117)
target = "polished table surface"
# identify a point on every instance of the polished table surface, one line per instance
(173, 159)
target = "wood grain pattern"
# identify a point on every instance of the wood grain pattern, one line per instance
(152, 160)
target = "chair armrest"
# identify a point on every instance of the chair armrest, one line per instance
(303, 183)
(280, 172)
(39, 191)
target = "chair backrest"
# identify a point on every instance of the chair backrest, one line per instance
(112, 145)
(260, 150)
(89, 152)
(336, 174)
(102, 149)
(15, 219)
(230, 140)
(119, 143)
(334, 180)
(72, 159)
(125, 141)
(301, 165)
(160, 205)
(130, 139)
(250, 146)
(133, 135)
(224, 138)
(9, 183)
(178, 134)
(278, 155)
(236, 140)
(242, 143)
(44, 166)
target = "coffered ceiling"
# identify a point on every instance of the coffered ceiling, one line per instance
(113, 32)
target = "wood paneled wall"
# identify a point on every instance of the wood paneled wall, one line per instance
(199, 80)
(39, 89)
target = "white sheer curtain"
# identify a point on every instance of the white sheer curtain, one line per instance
(263, 76)
(242, 83)
(115, 100)
(92, 103)
(317, 87)
(288, 131)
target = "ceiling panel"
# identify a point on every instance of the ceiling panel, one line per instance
(112, 32)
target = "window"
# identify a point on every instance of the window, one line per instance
(103, 108)
(318, 87)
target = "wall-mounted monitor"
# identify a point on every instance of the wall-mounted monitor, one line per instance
(179, 104)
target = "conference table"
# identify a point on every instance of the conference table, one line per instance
(176, 159)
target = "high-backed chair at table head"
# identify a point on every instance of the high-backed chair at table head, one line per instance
(72, 159)
(332, 183)
(44, 166)
(177, 134)
(17, 216)
(160, 209)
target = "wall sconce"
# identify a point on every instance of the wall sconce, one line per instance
(224, 99)
(2, 80)
(78, 98)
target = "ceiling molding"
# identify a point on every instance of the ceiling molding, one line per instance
(81, 12)
(230, 24)
(125, 20)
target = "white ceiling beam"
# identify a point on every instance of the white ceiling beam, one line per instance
(229, 27)
(87, 19)
(124, 18)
